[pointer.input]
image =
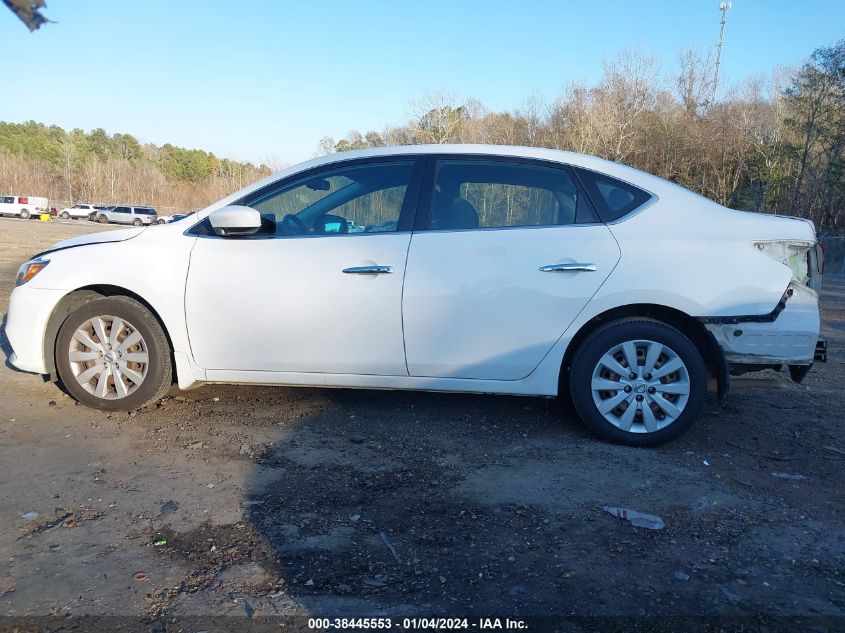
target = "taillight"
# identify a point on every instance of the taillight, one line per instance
(23, 200)
(794, 254)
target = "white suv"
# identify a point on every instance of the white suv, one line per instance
(81, 210)
(127, 215)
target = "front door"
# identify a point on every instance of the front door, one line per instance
(507, 255)
(319, 287)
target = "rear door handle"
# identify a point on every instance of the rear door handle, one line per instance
(566, 268)
(368, 270)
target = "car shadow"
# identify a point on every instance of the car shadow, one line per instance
(390, 512)
(419, 504)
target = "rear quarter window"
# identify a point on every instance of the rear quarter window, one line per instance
(612, 198)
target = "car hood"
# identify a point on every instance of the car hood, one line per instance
(120, 235)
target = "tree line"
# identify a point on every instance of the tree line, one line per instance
(774, 145)
(78, 166)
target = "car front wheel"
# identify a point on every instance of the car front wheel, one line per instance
(638, 382)
(64, 215)
(113, 354)
(103, 219)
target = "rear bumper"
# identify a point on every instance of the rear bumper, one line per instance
(790, 338)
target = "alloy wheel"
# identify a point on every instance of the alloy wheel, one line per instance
(640, 386)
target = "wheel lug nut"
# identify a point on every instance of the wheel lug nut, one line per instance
(647, 376)
(639, 398)
(651, 389)
(632, 375)
(627, 388)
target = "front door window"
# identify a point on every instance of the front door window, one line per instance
(366, 198)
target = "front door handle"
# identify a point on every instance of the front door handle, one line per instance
(565, 268)
(368, 270)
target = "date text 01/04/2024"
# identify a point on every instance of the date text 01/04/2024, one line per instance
(417, 623)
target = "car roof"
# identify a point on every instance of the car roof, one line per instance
(513, 151)
(644, 180)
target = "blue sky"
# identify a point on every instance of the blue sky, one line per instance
(265, 80)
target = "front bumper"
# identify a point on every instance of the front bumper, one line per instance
(26, 322)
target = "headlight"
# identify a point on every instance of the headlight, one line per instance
(29, 270)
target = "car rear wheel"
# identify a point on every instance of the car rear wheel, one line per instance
(64, 215)
(113, 354)
(638, 382)
(137, 222)
(24, 214)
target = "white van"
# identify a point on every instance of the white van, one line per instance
(23, 206)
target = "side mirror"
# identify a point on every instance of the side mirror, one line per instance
(235, 221)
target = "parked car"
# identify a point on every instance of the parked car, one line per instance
(81, 210)
(166, 219)
(23, 206)
(484, 269)
(127, 215)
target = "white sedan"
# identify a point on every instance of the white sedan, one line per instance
(504, 270)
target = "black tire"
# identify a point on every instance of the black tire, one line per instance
(605, 339)
(24, 214)
(64, 215)
(103, 219)
(159, 377)
(137, 222)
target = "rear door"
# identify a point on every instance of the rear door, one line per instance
(505, 254)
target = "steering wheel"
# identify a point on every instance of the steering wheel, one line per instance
(296, 225)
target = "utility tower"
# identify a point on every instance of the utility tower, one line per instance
(723, 7)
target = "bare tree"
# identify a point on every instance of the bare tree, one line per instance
(693, 83)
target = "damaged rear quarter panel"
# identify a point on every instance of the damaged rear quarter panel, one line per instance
(788, 339)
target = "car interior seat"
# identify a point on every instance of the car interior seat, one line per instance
(451, 211)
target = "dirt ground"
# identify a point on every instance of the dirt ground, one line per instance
(267, 502)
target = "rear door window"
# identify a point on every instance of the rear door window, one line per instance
(481, 194)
